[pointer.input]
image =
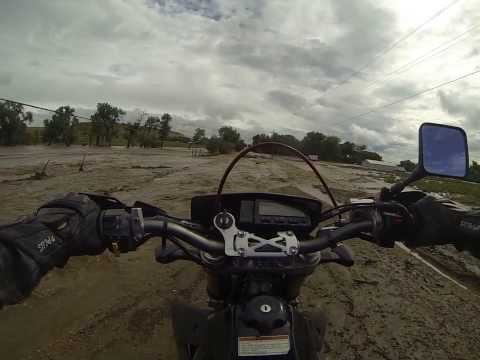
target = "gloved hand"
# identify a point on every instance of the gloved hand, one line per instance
(32, 246)
(442, 221)
(74, 219)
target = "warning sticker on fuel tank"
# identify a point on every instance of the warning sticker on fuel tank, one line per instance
(263, 345)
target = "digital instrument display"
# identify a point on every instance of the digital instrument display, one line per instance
(264, 214)
(271, 208)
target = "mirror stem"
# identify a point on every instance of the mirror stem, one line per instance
(417, 174)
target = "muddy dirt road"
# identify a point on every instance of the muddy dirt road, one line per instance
(388, 306)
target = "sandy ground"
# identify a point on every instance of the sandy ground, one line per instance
(388, 306)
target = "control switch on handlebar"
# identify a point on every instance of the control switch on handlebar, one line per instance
(122, 229)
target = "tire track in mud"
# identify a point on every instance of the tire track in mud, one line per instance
(389, 313)
(138, 319)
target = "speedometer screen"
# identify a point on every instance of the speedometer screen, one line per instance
(270, 208)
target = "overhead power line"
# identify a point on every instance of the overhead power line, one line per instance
(433, 52)
(43, 108)
(374, 109)
(444, 46)
(392, 46)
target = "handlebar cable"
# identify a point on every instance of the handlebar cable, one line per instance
(179, 243)
(331, 238)
(296, 152)
(343, 209)
(377, 205)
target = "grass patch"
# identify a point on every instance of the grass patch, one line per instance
(390, 179)
(459, 190)
(463, 191)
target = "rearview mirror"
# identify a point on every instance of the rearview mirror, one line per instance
(443, 150)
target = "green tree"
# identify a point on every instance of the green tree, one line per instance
(165, 127)
(286, 139)
(104, 123)
(260, 138)
(13, 123)
(152, 124)
(364, 155)
(474, 172)
(131, 132)
(407, 165)
(62, 127)
(228, 140)
(70, 132)
(198, 136)
(331, 149)
(213, 145)
(229, 134)
(283, 139)
(51, 131)
(347, 150)
(313, 144)
(149, 135)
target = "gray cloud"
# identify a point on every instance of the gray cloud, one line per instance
(122, 70)
(286, 100)
(367, 28)
(260, 66)
(467, 108)
(314, 66)
(396, 90)
(207, 8)
(5, 78)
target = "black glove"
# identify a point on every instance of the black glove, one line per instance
(470, 228)
(31, 247)
(28, 249)
(442, 221)
(74, 218)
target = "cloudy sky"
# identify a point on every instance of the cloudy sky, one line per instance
(261, 66)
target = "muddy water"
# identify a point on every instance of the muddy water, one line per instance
(388, 306)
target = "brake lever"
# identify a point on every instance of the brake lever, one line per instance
(169, 252)
(365, 236)
(339, 254)
(345, 255)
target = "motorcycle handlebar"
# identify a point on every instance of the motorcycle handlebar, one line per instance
(330, 238)
(162, 227)
(166, 228)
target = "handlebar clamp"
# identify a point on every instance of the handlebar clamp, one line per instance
(245, 244)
